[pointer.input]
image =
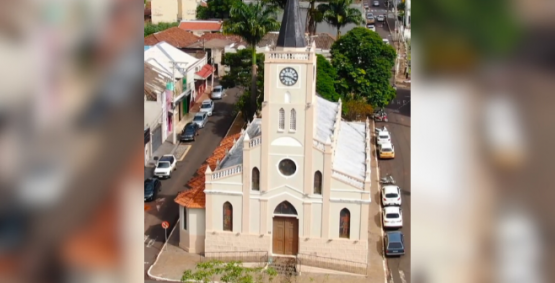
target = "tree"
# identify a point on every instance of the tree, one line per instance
(326, 76)
(313, 17)
(339, 13)
(364, 63)
(356, 109)
(240, 65)
(278, 4)
(150, 28)
(215, 9)
(252, 22)
(231, 272)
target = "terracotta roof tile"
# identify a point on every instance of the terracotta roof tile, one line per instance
(234, 38)
(201, 25)
(205, 71)
(174, 36)
(195, 197)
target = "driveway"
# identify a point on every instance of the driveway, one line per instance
(164, 208)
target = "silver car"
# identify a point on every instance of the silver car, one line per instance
(372, 27)
(207, 106)
(376, 3)
(200, 119)
(217, 92)
(380, 18)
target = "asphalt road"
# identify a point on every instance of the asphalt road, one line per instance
(401, 103)
(399, 167)
(164, 208)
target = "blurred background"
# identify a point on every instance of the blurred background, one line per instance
(482, 154)
(70, 133)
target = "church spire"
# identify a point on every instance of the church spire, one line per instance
(291, 33)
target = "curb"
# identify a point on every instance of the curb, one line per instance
(158, 257)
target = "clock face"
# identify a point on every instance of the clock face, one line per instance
(288, 76)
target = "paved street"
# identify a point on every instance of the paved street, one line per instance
(164, 208)
(399, 167)
(401, 103)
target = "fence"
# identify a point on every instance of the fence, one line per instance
(331, 263)
(258, 257)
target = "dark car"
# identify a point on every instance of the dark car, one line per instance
(190, 131)
(394, 243)
(152, 187)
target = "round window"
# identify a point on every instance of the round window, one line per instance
(287, 167)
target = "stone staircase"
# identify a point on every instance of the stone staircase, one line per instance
(284, 265)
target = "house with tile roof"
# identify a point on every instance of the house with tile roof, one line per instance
(174, 36)
(296, 181)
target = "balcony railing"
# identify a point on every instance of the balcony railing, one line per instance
(256, 141)
(227, 172)
(288, 55)
(331, 263)
(258, 257)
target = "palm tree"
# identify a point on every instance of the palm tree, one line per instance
(313, 17)
(252, 22)
(339, 13)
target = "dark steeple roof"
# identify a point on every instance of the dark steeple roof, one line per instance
(291, 33)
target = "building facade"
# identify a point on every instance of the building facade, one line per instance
(296, 181)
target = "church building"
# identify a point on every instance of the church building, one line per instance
(296, 181)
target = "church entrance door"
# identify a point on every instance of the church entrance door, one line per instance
(285, 236)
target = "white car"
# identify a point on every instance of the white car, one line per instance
(383, 137)
(380, 18)
(386, 41)
(391, 195)
(392, 217)
(376, 3)
(165, 165)
(207, 106)
(372, 28)
(217, 92)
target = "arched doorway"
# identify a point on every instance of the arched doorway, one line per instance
(285, 239)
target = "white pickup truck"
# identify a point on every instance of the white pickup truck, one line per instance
(165, 165)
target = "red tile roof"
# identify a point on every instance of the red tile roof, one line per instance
(195, 197)
(210, 36)
(174, 36)
(201, 25)
(203, 4)
(205, 71)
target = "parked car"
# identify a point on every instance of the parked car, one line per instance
(386, 150)
(366, 6)
(190, 131)
(370, 18)
(376, 3)
(165, 165)
(200, 119)
(380, 18)
(391, 195)
(372, 28)
(217, 92)
(394, 243)
(207, 106)
(152, 188)
(383, 137)
(386, 41)
(392, 217)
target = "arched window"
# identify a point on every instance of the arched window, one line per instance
(255, 179)
(287, 97)
(344, 223)
(228, 216)
(318, 183)
(293, 120)
(285, 208)
(281, 119)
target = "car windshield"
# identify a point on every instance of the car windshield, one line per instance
(198, 118)
(392, 215)
(149, 186)
(384, 137)
(391, 195)
(217, 89)
(163, 164)
(395, 246)
(205, 105)
(386, 149)
(189, 130)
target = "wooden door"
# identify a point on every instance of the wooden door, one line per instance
(285, 235)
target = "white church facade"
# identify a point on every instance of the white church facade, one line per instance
(295, 181)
